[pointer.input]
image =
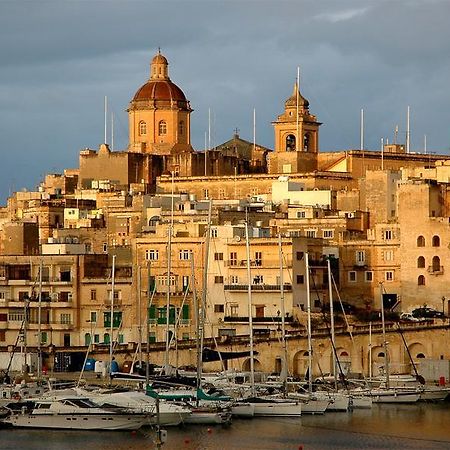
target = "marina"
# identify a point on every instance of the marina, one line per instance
(420, 426)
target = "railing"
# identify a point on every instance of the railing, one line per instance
(257, 287)
(272, 319)
(438, 270)
(116, 302)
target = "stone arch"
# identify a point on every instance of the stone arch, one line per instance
(300, 363)
(290, 143)
(420, 262)
(345, 361)
(416, 349)
(378, 360)
(421, 280)
(420, 241)
(257, 366)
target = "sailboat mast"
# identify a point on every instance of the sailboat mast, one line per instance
(333, 343)
(111, 318)
(250, 318)
(284, 368)
(169, 269)
(308, 311)
(386, 356)
(39, 334)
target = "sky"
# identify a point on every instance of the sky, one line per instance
(59, 59)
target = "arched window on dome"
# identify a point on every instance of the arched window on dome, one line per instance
(420, 241)
(181, 128)
(421, 280)
(290, 143)
(142, 128)
(420, 262)
(162, 129)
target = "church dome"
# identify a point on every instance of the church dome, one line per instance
(292, 100)
(159, 90)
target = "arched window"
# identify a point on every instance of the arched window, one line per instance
(436, 242)
(306, 141)
(142, 128)
(420, 356)
(181, 128)
(420, 262)
(436, 263)
(162, 128)
(421, 280)
(290, 143)
(420, 241)
(381, 355)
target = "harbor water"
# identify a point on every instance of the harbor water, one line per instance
(419, 426)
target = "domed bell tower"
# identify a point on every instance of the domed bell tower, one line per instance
(296, 137)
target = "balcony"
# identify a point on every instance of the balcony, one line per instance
(258, 287)
(272, 319)
(435, 270)
(116, 303)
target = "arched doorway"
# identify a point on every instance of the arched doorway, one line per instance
(301, 364)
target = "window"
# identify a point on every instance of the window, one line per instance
(233, 259)
(360, 257)
(185, 282)
(184, 254)
(93, 294)
(66, 319)
(214, 232)
(142, 128)
(301, 214)
(389, 275)
(206, 194)
(436, 242)
(387, 235)
(117, 319)
(328, 234)
(218, 256)
(151, 255)
(420, 241)
(234, 310)
(162, 128)
(436, 264)
(299, 256)
(105, 247)
(181, 128)
(219, 308)
(420, 262)
(352, 276)
(368, 276)
(93, 317)
(258, 258)
(388, 255)
(152, 337)
(234, 279)
(421, 280)
(311, 233)
(65, 296)
(2, 295)
(218, 279)
(300, 279)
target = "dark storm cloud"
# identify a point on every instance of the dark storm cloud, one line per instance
(59, 59)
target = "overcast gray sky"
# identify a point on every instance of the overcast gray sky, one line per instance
(59, 59)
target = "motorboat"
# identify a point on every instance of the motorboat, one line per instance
(73, 413)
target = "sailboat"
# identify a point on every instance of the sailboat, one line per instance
(264, 405)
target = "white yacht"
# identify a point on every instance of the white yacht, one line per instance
(73, 413)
